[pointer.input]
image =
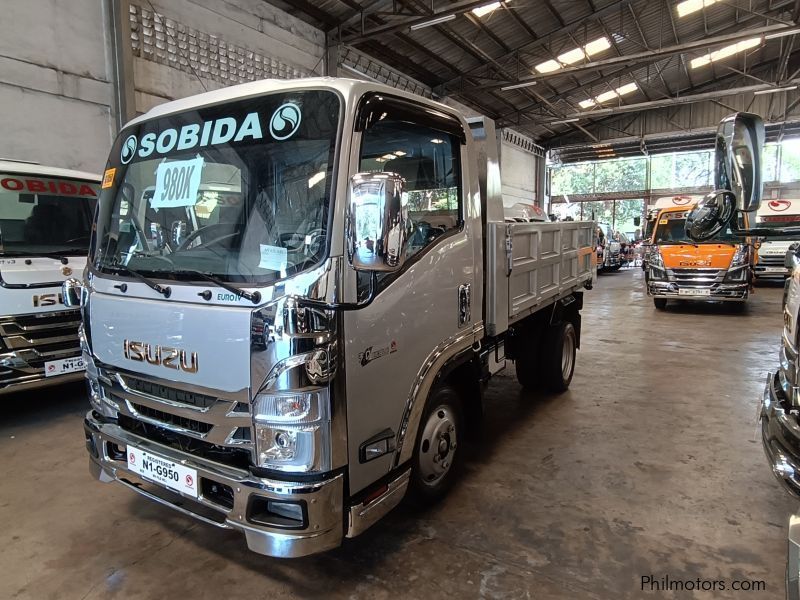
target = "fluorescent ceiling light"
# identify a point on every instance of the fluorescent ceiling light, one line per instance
(437, 141)
(485, 9)
(572, 56)
(775, 90)
(437, 21)
(628, 88)
(399, 153)
(606, 96)
(575, 55)
(725, 52)
(689, 6)
(516, 86)
(597, 45)
(548, 66)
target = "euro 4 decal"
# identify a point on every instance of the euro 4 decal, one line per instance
(283, 124)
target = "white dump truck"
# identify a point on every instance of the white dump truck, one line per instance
(292, 356)
(45, 225)
(774, 215)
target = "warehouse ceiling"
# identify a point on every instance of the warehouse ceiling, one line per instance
(578, 72)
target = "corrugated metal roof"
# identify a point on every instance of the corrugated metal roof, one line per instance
(467, 56)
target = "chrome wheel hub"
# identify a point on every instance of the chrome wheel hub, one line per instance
(567, 356)
(437, 445)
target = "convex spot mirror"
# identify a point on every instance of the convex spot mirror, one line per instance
(711, 215)
(737, 171)
(378, 224)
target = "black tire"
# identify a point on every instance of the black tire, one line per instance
(559, 350)
(661, 303)
(443, 423)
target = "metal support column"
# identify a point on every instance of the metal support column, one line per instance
(121, 61)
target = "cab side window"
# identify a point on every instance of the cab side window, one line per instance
(430, 162)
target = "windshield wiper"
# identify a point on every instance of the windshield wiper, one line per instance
(57, 255)
(165, 291)
(254, 297)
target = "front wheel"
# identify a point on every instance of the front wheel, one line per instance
(437, 454)
(661, 303)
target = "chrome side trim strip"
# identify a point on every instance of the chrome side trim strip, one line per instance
(362, 517)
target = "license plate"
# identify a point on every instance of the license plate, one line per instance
(161, 470)
(774, 269)
(63, 366)
(693, 292)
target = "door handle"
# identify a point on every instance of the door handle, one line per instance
(464, 313)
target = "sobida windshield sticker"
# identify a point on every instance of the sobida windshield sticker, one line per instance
(177, 183)
(283, 124)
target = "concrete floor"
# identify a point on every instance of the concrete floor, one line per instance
(649, 465)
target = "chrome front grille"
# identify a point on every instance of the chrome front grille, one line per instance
(222, 423)
(32, 339)
(775, 260)
(690, 277)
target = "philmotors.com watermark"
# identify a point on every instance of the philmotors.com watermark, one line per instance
(665, 583)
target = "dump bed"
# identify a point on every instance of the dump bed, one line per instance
(531, 265)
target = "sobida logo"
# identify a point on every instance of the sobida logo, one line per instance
(284, 123)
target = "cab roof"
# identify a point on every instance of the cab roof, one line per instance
(28, 168)
(349, 88)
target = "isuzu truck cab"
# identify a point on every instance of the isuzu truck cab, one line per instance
(291, 361)
(774, 215)
(45, 224)
(681, 269)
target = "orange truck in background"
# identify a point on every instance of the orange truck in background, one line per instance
(677, 268)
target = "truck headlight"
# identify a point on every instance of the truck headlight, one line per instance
(292, 430)
(741, 257)
(739, 264)
(655, 265)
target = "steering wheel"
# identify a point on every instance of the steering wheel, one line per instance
(204, 230)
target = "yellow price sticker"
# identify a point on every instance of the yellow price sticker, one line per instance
(108, 178)
(663, 222)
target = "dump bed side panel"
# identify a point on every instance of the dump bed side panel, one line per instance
(532, 265)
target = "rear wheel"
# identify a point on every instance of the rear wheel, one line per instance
(437, 453)
(558, 357)
(661, 303)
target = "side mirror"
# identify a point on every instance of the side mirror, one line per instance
(74, 293)
(737, 177)
(377, 224)
(740, 138)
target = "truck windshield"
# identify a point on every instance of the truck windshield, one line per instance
(44, 215)
(238, 191)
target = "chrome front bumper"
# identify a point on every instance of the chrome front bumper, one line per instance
(780, 434)
(323, 526)
(735, 292)
(761, 273)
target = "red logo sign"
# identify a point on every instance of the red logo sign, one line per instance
(132, 458)
(189, 481)
(51, 368)
(779, 205)
(681, 200)
(51, 186)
